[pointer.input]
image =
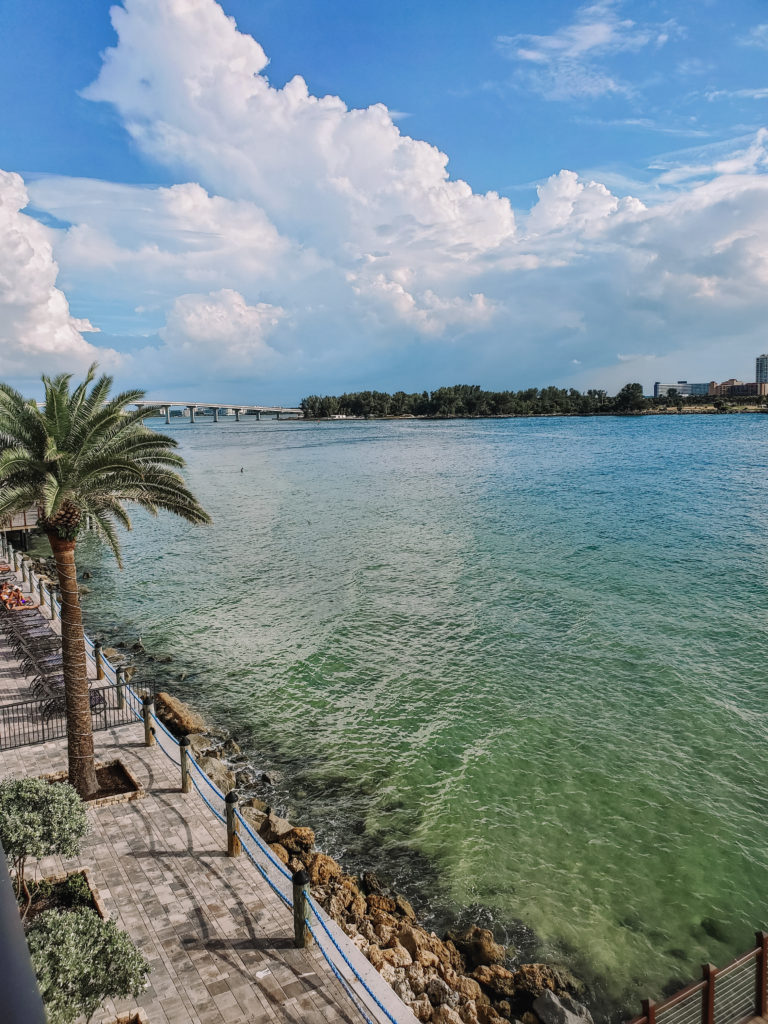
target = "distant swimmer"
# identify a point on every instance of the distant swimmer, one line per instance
(241, 469)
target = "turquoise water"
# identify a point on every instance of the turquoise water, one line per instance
(517, 665)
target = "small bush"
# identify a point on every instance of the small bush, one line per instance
(80, 960)
(38, 818)
(77, 892)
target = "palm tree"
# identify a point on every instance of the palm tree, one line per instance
(85, 455)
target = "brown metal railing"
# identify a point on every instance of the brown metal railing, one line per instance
(727, 995)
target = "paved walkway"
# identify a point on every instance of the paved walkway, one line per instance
(219, 942)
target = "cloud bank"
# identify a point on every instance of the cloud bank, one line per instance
(312, 243)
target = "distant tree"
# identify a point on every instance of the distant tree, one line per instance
(80, 960)
(37, 819)
(630, 399)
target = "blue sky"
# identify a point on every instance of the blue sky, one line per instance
(613, 224)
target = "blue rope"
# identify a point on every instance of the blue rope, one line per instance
(262, 846)
(170, 735)
(215, 789)
(344, 984)
(324, 926)
(169, 756)
(265, 876)
(205, 801)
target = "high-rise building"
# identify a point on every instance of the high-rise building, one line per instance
(761, 369)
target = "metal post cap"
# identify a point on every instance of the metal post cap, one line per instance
(231, 797)
(148, 699)
(184, 741)
(301, 877)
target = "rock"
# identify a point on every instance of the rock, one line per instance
(299, 839)
(385, 927)
(487, 1015)
(498, 980)
(259, 805)
(478, 946)
(322, 869)
(396, 955)
(111, 654)
(254, 819)
(218, 773)
(468, 1012)
(550, 1010)
(504, 1009)
(714, 929)
(296, 865)
(402, 989)
(86, 576)
(273, 828)
(231, 748)
(121, 644)
(138, 647)
(200, 745)
(414, 939)
(467, 988)
(422, 1008)
(280, 852)
(383, 903)
(446, 1015)
(179, 718)
(130, 671)
(404, 908)
(440, 994)
(370, 882)
(535, 979)
(415, 976)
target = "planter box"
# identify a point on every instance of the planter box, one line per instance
(98, 905)
(133, 788)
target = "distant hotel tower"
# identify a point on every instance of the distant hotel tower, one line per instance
(761, 369)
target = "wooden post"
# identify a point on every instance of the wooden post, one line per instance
(41, 592)
(99, 661)
(649, 1010)
(301, 934)
(149, 732)
(120, 682)
(233, 825)
(709, 973)
(52, 588)
(184, 759)
(24, 570)
(761, 995)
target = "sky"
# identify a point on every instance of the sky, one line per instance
(255, 201)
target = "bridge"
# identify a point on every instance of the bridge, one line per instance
(220, 409)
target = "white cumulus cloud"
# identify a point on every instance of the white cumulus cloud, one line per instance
(37, 331)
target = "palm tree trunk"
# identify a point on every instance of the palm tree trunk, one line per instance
(82, 769)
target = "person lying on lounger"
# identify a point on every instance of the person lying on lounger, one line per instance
(16, 601)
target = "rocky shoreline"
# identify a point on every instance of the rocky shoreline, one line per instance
(465, 977)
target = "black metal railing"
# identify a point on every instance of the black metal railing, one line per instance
(43, 718)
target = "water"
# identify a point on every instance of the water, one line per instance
(518, 665)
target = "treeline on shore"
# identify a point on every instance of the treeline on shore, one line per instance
(468, 400)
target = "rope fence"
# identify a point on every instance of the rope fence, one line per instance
(289, 889)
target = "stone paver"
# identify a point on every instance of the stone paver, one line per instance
(218, 939)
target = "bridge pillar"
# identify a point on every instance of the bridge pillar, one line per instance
(191, 413)
(167, 414)
(258, 416)
(216, 414)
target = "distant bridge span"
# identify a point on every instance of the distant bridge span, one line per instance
(227, 408)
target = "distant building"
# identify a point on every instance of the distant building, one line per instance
(680, 387)
(733, 388)
(761, 369)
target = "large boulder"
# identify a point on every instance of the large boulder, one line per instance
(252, 816)
(478, 946)
(273, 828)
(551, 1010)
(218, 773)
(299, 840)
(495, 979)
(322, 869)
(177, 716)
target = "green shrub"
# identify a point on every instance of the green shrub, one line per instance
(77, 892)
(39, 818)
(80, 960)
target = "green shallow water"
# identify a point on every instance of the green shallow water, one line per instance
(517, 665)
